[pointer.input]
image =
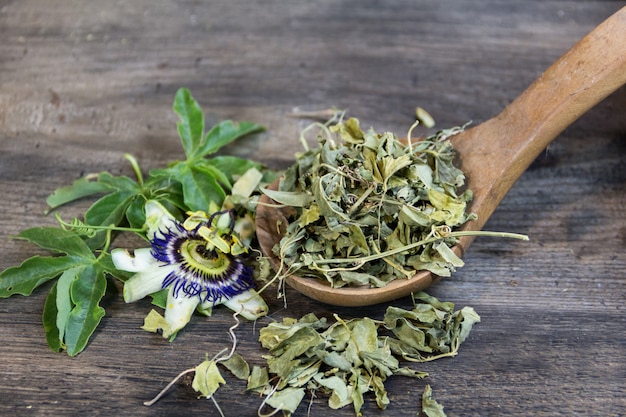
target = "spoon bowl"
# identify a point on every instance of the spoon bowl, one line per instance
(494, 154)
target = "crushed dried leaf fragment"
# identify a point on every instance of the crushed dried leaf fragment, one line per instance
(347, 359)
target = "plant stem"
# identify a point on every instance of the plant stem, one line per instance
(136, 169)
(418, 244)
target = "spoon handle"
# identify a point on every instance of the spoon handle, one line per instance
(494, 154)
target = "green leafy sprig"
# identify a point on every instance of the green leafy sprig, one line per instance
(82, 262)
(189, 185)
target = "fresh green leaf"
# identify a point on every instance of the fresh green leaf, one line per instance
(82, 187)
(91, 185)
(135, 213)
(32, 273)
(72, 311)
(211, 171)
(191, 123)
(224, 133)
(86, 292)
(63, 300)
(107, 211)
(50, 313)
(232, 166)
(159, 298)
(119, 183)
(105, 262)
(200, 190)
(56, 240)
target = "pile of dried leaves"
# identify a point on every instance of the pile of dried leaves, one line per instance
(347, 359)
(370, 208)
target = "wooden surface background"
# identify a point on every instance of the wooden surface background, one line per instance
(83, 82)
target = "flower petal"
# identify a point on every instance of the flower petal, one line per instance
(248, 304)
(146, 282)
(178, 310)
(158, 219)
(124, 261)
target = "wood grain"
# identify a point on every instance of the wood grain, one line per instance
(83, 82)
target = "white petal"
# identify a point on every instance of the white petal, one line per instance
(146, 282)
(124, 261)
(157, 218)
(178, 310)
(248, 304)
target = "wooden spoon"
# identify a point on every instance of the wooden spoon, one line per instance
(495, 153)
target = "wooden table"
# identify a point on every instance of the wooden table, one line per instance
(83, 82)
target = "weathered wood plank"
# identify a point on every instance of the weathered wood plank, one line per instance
(82, 83)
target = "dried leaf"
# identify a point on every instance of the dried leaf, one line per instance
(258, 379)
(340, 396)
(247, 183)
(293, 199)
(432, 329)
(430, 406)
(286, 400)
(207, 378)
(350, 358)
(448, 255)
(238, 366)
(155, 322)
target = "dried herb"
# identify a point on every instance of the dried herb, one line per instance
(432, 330)
(430, 407)
(351, 358)
(370, 209)
(207, 378)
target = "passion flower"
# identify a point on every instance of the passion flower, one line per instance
(197, 261)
